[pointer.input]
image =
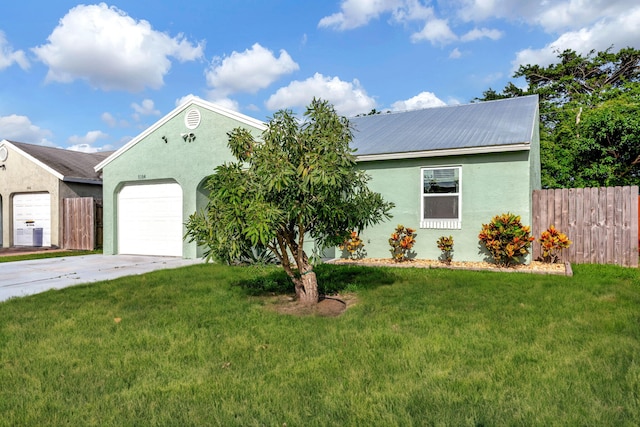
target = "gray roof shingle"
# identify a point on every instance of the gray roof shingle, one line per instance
(483, 124)
(72, 165)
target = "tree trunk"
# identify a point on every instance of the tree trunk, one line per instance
(307, 288)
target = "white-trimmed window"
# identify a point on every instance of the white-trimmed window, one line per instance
(441, 198)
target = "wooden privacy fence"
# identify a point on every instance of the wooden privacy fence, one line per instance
(602, 223)
(82, 223)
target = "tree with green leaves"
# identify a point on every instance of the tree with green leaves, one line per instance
(298, 182)
(588, 109)
(606, 148)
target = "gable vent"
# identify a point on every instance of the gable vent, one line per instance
(192, 119)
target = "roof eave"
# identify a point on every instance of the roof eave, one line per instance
(95, 181)
(33, 159)
(446, 152)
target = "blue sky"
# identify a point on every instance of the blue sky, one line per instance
(92, 76)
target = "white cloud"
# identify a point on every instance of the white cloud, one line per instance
(226, 103)
(184, 99)
(357, 13)
(622, 31)
(147, 108)
(112, 121)
(8, 56)
(574, 22)
(480, 10)
(86, 143)
(221, 101)
(480, 33)
(109, 119)
(111, 51)
(455, 54)
(87, 148)
(420, 101)
(249, 71)
(576, 14)
(436, 31)
(89, 138)
(20, 129)
(554, 16)
(348, 98)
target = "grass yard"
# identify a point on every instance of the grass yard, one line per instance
(17, 256)
(420, 347)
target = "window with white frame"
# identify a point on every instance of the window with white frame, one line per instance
(441, 198)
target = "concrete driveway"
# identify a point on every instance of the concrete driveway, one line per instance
(23, 278)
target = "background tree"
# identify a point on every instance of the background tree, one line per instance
(299, 181)
(576, 94)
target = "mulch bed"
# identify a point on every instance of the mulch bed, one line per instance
(327, 306)
(535, 267)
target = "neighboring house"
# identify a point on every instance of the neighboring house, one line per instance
(153, 183)
(449, 170)
(34, 180)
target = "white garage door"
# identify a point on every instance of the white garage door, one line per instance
(32, 219)
(150, 219)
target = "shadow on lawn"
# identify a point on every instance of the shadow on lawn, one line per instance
(332, 279)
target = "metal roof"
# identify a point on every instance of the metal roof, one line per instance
(68, 165)
(499, 124)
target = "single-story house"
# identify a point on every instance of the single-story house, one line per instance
(449, 170)
(153, 183)
(34, 180)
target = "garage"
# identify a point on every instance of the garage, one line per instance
(150, 219)
(32, 219)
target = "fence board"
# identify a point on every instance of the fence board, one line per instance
(593, 225)
(579, 240)
(602, 223)
(617, 230)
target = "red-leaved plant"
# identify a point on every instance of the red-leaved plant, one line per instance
(553, 242)
(445, 244)
(401, 242)
(354, 246)
(506, 239)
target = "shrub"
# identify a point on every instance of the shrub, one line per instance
(553, 242)
(402, 241)
(257, 255)
(506, 239)
(354, 246)
(445, 244)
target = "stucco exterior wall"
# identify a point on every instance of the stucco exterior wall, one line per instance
(22, 176)
(154, 160)
(491, 184)
(76, 189)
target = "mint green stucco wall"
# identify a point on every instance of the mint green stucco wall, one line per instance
(152, 160)
(491, 184)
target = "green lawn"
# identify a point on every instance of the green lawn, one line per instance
(420, 347)
(45, 254)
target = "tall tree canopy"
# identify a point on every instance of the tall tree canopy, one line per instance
(589, 109)
(298, 181)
